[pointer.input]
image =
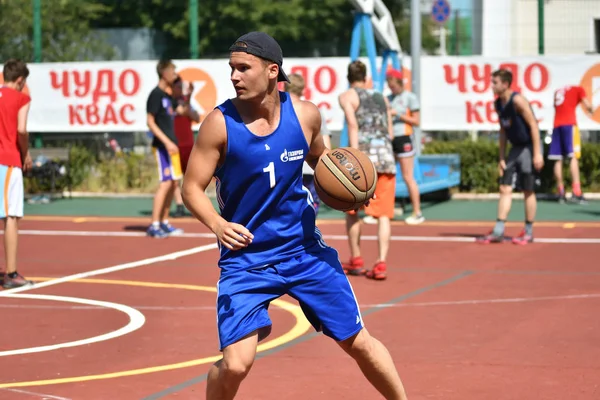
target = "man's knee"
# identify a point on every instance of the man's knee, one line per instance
(235, 368)
(528, 193)
(359, 345)
(505, 190)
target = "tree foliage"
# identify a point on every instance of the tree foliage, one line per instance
(303, 27)
(66, 32)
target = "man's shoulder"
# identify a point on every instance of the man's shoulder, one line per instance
(157, 92)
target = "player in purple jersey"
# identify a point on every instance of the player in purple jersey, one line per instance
(255, 146)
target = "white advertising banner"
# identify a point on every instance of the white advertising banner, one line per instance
(455, 91)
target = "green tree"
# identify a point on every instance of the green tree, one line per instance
(66, 33)
(303, 27)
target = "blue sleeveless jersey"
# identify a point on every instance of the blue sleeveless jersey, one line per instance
(260, 187)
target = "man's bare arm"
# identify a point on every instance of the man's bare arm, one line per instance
(588, 106)
(311, 119)
(523, 108)
(23, 134)
(202, 164)
(349, 112)
(204, 160)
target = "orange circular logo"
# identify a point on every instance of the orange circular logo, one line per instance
(591, 83)
(205, 91)
(25, 89)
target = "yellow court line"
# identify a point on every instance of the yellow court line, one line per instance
(341, 221)
(300, 327)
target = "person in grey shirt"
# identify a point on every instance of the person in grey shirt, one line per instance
(405, 114)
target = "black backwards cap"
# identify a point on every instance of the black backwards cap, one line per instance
(261, 45)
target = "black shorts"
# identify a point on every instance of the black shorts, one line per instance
(403, 146)
(519, 172)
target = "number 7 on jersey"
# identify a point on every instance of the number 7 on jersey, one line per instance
(271, 170)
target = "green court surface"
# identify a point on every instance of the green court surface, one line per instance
(454, 210)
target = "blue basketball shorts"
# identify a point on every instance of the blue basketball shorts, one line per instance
(315, 278)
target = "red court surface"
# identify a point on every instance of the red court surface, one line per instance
(462, 320)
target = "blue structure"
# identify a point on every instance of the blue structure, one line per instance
(432, 172)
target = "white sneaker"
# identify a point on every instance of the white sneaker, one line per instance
(415, 219)
(369, 220)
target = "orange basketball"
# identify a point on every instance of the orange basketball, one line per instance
(345, 179)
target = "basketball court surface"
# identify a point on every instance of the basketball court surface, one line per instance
(116, 315)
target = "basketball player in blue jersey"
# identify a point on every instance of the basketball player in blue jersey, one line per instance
(255, 145)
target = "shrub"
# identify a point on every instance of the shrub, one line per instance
(479, 162)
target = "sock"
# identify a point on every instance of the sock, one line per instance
(561, 190)
(165, 222)
(12, 275)
(499, 228)
(529, 228)
(576, 189)
(155, 224)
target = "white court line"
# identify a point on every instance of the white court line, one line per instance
(119, 267)
(136, 321)
(448, 239)
(43, 396)
(487, 301)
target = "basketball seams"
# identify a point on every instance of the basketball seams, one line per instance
(329, 194)
(362, 169)
(348, 184)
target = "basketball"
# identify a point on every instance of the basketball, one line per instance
(345, 179)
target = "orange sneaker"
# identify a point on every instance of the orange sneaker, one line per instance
(355, 267)
(379, 271)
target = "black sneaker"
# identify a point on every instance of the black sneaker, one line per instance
(490, 238)
(578, 200)
(17, 281)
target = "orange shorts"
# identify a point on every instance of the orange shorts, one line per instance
(385, 193)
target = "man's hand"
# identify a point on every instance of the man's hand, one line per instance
(538, 161)
(501, 167)
(233, 236)
(27, 162)
(368, 202)
(182, 109)
(171, 147)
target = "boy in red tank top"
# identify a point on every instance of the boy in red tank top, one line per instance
(566, 142)
(182, 123)
(14, 159)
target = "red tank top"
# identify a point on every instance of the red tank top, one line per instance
(183, 131)
(566, 100)
(11, 102)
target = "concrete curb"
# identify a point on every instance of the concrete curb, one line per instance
(516, 196)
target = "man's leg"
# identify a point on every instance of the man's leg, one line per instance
(356, 264)
(168, 200)
(407, 166)
(14, 197)
(158, 207)
(376, 364)
(329, 303)
(165, 226)
(382, 208)
(577, 192)
(11, 240)
(528, 184)
(179, 210)
(558, 175)
(226, 375)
